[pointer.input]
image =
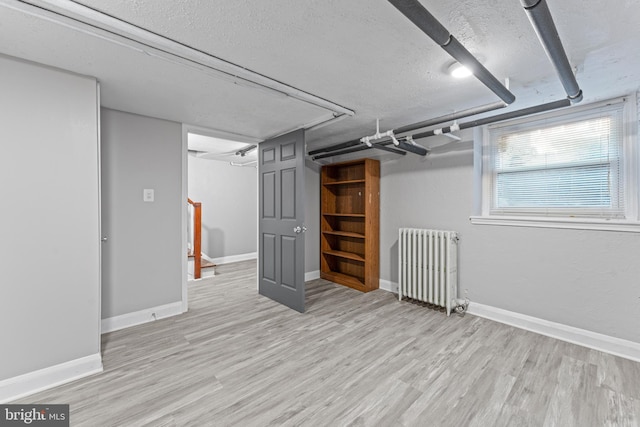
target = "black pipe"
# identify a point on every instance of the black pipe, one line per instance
(500, 117)
(389, 149)
(430, 122)
(244, 151)
(540, 17)
(335, 147)
(414, 148)
(420, 16)
(452, 116)
(362, 147)
(341, 152)
(474, 123)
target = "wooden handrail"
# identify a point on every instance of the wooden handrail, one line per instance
(197, 238)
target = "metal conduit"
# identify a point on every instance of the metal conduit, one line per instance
(452, 116)
(540, 17)
(430, 122)
(474, 123)
(500, 117)
(361, 147)
(424, 20)
(335, 147)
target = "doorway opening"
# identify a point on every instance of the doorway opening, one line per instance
(221, 201)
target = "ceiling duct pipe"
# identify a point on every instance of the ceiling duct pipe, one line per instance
(430, 122)
(361, 147)
(500, 117)
(540, 17)
(420, 16)
(389, 149)
(246, 150)
(413, 148)
(335, 147)
(451, 117)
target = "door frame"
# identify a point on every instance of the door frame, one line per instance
(214, 133)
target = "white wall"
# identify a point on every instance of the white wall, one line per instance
(142, 258)
(229, 197)
(49, 221)
(586, 279)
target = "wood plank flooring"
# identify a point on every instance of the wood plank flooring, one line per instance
(239, 359)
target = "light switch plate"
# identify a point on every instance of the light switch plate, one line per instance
(147, 195)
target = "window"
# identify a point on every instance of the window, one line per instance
(574, 168)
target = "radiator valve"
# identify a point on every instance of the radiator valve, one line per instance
(461, 306)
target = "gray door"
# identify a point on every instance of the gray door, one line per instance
(281, 213)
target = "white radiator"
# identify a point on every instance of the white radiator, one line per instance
(428, 266)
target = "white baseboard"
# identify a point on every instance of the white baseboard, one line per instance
(594, 340)
(232, 258)
(605, 343)
(43, 379)
(311, 275)
(387, 285)
(139, 317)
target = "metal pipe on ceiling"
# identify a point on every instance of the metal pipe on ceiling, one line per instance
(424, 20)
(418, 149)
(389, 149)
(500, 117)
(540, 17)
(336, 147)
(451, 117)
(413, 148)
(430, 122)
(360, 147)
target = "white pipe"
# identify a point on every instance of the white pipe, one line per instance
(378, 135)
(243, 164)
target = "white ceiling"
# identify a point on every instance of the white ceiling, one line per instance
(359, 54)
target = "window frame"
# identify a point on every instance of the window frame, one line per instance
(484, 175)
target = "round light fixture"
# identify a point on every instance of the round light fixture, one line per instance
(459, 71)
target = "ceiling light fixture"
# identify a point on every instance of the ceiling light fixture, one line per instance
(459, 71)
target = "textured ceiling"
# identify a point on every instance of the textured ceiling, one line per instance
(360, 54)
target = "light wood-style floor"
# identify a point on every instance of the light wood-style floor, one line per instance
(239, 359)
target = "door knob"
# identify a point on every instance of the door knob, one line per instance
(104, 239)
(299, 229)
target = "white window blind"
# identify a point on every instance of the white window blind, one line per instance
(567, 165)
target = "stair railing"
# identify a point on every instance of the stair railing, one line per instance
(197, 238)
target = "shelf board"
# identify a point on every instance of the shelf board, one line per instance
(351, 181)
(347, 255)
(353, 215)
(345, 279)
(345, 234)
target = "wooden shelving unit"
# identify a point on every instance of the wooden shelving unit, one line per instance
(350, 224)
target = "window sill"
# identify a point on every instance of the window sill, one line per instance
(565, 223)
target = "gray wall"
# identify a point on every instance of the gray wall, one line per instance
(49, 223)
(312, 217)
(229, 197)
(142, 258)
(585, 279)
